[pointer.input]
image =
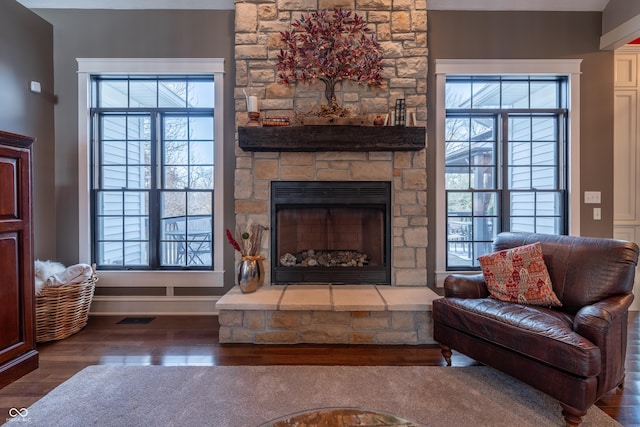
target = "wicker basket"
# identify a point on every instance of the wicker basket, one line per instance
(61, 311)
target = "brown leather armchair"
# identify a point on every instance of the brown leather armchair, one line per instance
(574, 353)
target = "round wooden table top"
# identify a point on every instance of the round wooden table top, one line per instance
(341, 417)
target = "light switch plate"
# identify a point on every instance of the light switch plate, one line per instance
(592, 197)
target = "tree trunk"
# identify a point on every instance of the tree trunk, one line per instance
(329, 90)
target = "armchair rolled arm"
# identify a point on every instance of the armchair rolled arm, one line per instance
(465, 286)
(594, 321)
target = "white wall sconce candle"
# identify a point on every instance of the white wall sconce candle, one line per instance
(253, 109)
(252, 104)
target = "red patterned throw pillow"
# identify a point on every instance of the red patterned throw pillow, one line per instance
(519, 275)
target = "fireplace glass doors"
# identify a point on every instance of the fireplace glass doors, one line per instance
(330, 232)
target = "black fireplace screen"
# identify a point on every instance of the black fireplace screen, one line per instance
(330, 232)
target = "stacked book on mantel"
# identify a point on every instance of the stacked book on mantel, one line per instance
(276, 121)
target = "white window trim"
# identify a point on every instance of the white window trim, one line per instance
(156, 66)
(447, 67)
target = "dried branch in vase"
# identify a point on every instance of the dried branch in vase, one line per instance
(247, 239)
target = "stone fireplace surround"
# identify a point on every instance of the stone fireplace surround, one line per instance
(339, 314)
(368, 314)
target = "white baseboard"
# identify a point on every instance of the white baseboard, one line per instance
(153, 306)
(173, 306)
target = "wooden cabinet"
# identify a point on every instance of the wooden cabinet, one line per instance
(18, 354)
(626, 150)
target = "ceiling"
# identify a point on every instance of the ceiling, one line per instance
(542, 5)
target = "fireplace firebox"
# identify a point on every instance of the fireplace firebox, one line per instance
(331, 232)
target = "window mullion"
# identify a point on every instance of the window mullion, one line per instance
(562, 153)
(503, 160)
(154, 190)
(156, 150)
(94, 146)
(563, 171)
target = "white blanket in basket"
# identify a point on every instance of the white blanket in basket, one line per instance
(77, 273)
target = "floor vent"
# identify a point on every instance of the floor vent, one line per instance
(136, 320)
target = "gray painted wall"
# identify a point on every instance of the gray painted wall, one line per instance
(128, 34)
(26, 54)
(536, 35)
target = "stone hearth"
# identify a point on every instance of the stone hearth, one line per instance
(342, 314)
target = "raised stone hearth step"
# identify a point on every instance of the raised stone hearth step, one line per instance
(340, 314)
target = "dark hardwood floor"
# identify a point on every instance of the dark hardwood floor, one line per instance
(194, 341)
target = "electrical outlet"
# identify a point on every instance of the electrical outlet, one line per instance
(592, 197)
(35, 87)
(597, 214)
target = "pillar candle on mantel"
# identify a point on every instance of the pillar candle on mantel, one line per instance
(252, 104)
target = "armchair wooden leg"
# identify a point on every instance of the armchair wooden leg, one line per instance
(572, 416)
(446, 353)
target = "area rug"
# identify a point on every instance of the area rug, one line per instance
(250, 396)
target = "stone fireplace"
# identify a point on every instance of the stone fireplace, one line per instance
(401, 29)
(395, 310)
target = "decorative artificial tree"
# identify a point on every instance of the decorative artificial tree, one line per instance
(330, 46)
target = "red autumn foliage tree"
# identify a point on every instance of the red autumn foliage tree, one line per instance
(330, 47)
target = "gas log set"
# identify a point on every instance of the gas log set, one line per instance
(322, 258)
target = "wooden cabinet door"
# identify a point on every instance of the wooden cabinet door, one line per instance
(17, 336)
(11, 336)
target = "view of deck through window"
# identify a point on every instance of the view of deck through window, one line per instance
(505, 161)
(153, 180)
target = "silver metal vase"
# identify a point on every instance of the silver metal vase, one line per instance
(250, 274)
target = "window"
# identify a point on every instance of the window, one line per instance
(507, 154)
(504, 161)
(153, 177)
(150, 174)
